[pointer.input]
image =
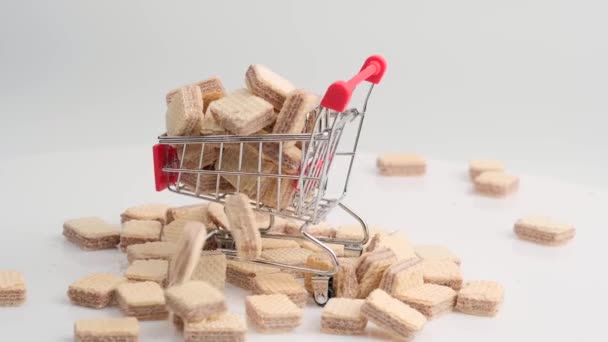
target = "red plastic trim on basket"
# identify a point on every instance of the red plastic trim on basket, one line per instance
(339, 93)
(160, 153)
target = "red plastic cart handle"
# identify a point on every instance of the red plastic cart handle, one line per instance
(339, 93)
(160, 154)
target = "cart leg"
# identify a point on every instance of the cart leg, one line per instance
(323, 290)
(356, 247)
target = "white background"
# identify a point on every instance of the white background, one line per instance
(520, 80)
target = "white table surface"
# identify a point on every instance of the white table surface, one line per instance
(552, 294)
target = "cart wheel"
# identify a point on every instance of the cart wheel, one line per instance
(323, 296)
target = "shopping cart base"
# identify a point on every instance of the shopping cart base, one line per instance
(323, 289)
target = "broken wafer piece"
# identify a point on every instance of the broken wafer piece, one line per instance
(544, 230)
(211, 89)
(185, 111)
(143, 300)
(148, 270)
(268, 85)
(243, 274)
(285, 283)
(124, 329)
(494, 183)
(371, 269)
(346, 284)
(242, 113)
(392, 315)
(400, 164)
(227, 327)
(442, 272)
(161, 250)
(342, 316)
(401, 276)
(480, 297)
(150, 211)
(435, 252)
(12, 288)
(243, 226)
(479, 166)
(95, 290)
(190, 245)
(195, 301)
(274, 312)
(430, 299)
(91, 233)
(139, 231)
(211, 268)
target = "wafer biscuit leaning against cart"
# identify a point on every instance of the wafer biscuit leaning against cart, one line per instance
(268, 85)
(243, 226)
(188, 253)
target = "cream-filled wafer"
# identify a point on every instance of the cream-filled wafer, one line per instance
(371, 268)
(124, 329)
(242, 113)
(397, 242)
(142, 300)
(544, 230)
(342, 316)
(195, 300)
(195, 212)
(227, 327)
(13, 291)
(430, 299)
(91, 233)
(442, 272)
(95, 290)
(275, 312)
(211, 268)
(162, 250)
(211, 89)
(402, 275)
(479, 166)
(270, 243)
(243, 274)
(185, 111)
(392, 315)
(399, 164)
(285, 283)
(435, 252)
(292, 117)
(480, 297)
(190, 245)
(148, 270)
(494, 183)
(150, 211)
(243, 226)
(139, 231)
(346, 284)
(268, 85)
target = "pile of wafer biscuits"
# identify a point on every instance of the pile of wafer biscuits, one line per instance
(175, 274)
(269, 103)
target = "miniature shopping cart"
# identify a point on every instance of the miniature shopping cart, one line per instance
(310, 202)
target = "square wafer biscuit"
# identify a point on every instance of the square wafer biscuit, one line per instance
(268, 85)
(292, 116)
(162, 250)
(250, 162)
(211, 268)
(148, 270)
(479, 166)
(205, 183)
(434, 252)
(480, 297)
(271, 243)
(342, 316)
(242, 113)
(211, 89)
(190, 156)
(225, 328)
(139, 231)
(243, 226)
(289, 256)
(496, 184)
(150, 211)
(402, 275)
(317, 261)
(279, 194)
(107, 329)
(210, 126)
(392, 315)
(95, 290)
(275, 312)
(430, 299)
(243, 274)
(91, 233)
(371, 268)
(189, 247)
(12, 288)
(194, 301)
(346, 284)
(401, 164)
(285, 283)
(442, 272)
(544, 230)
(397, 242)
(143, 300)
(185, 111)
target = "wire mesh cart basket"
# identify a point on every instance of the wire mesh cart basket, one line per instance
(297, 186)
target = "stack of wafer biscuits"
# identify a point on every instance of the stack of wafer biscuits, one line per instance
(12, 288)
(95, 290)
(91, 233)
(139, 231)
